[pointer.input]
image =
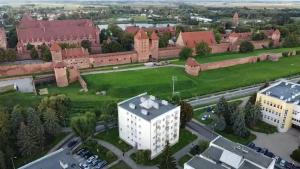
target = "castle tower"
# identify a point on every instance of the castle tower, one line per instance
(154, 44)
(276, 37)
(56, 53)
(3, 40)
(235, 20)
(61, 75)
(142, 46)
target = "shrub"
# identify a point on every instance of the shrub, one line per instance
(246, 47)
(296, 155)
(142, 156)
(203, 49)
(297, 52)
(185, 53)
(109, 155)
(285, 54)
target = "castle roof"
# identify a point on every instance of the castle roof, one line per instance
(154, 36)
(141, 34)
(192, 62)
(55, 47)
(191, 39)
(30, 30)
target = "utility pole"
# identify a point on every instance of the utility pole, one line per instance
(174, 78)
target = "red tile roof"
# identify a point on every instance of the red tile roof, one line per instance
(190, 39)
(30, 30)
(55, 47)
(141, 34)
(192, 62)
(74, 53)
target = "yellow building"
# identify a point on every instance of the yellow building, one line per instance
(280, 104)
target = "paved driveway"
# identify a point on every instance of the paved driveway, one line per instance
(281, 144)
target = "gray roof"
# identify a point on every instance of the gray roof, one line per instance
(213, 153)
(284, 90)
(151, 112)
(200, 163)
(250, 154)
(248, 165)
(52, 161)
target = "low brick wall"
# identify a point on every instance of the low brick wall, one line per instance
(113, 58)
(23, 69)
(220, 48)
(170, 52)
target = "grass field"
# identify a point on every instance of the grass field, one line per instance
(121, 85)
(184, 159)
(112, 136)
(237, 139)
(235, 55)
(185, 137)
(263, 127)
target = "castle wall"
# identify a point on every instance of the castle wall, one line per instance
(220, 48)
(165, 53)
(61, 77)
(113, 58)
(260, 44)
(80, 62)
(192, 70)
(23, 69)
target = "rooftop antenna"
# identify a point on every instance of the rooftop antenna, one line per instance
(174, 78)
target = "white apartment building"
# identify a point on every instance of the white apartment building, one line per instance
(281, 104)
(147, 123)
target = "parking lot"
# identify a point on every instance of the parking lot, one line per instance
(88, 160)
(281, 144)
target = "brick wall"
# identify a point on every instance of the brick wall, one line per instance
(113, 58)
(13, 70)
(220, 48)
(170, 52)
(260, 44)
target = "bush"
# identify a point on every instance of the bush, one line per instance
(142, 156)
(246, 47)
(185, 53)
(296, 155)
(203, 49)
(291, 41)
(285, 54)
(109, 155)
(200, 148)
(297, 52)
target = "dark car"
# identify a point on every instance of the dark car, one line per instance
(270, 154)
(251, 145)
(72, 143)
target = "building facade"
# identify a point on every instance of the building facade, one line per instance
(225, 154)
(3, 39)
(148, 123)
(38, 32)
(280, 104)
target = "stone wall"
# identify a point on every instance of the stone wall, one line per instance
(23, 69)
(170, 52)
(260, 44)
(113, 58)
(220, 48)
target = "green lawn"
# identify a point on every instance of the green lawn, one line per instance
(263, 127)
(185, 137)
(184, 159)
(112, 136)
(237, 139)
(235, 55)
(20, 161)
(120, 165)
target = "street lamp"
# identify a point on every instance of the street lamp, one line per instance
(12, 161)
(174, 78)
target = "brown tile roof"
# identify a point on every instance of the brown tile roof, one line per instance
(192, 62)
(190, 39)
(241, 36)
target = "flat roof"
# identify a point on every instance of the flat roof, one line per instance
(284, 90)
(154, 107)
(200, 163)
(52, 161)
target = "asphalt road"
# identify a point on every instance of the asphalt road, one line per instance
(202, 130)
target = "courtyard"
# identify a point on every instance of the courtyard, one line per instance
(281, 144)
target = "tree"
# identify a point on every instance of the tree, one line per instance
(220, 125)
(10, 55)
(2, 160)
(252, 114)
(217, 37)
(296, 155)
(239, 126)
(86, 44)
(84, 125)
(16, 118)
(12, 38)
(51, 122)
(203, 49)
(4, 125)
(27, 143)
(246, 46)
(103, 35)
(35, 126)
(256, 36)
(45, 52)
(186, 113)
(185, 53)
(164, 40)
(168, 161)
(34, 53)
(222, 107)
(111, 47)
(115, 30)
(29, 46)
(126, 41)
(291, 41)
(176, 99)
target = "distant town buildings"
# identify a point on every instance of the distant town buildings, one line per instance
(225, 154)
(147, 123)
(38, 32)
(281, 104)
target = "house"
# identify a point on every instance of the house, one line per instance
(148, 123)
(192, 67)
(225, 154)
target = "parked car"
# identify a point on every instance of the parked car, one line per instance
(282, 163)
(72, 143)
(251, 145)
